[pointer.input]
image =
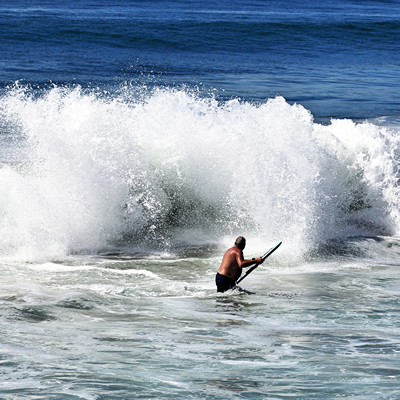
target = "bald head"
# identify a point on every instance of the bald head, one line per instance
(240, 242)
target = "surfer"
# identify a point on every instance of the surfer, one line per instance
(232, 264)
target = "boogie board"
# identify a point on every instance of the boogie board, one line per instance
(263, 257)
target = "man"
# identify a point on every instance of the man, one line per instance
(232, 264)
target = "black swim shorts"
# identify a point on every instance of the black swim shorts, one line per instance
(224, 283)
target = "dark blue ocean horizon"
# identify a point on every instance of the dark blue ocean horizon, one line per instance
(336, 58)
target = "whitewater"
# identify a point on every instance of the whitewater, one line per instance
(85, 171)
(116, 208)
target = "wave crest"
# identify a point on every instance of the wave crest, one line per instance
(101, 169)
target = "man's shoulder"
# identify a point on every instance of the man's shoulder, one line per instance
(234, 249)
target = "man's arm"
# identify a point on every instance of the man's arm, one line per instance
(246, 263)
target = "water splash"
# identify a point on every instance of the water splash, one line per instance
(137, 168)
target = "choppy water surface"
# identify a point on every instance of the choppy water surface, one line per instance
(155, 328)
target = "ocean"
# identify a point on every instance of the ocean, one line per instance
(138, 139)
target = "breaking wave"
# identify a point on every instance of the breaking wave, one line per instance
(83, 171)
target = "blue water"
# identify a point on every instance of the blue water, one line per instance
(138, 139)
(338, 59)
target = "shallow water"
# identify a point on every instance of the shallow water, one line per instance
(155, 328)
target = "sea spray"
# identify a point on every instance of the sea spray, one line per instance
(358, 190)
(105, 169)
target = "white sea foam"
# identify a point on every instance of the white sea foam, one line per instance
(109, 169)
